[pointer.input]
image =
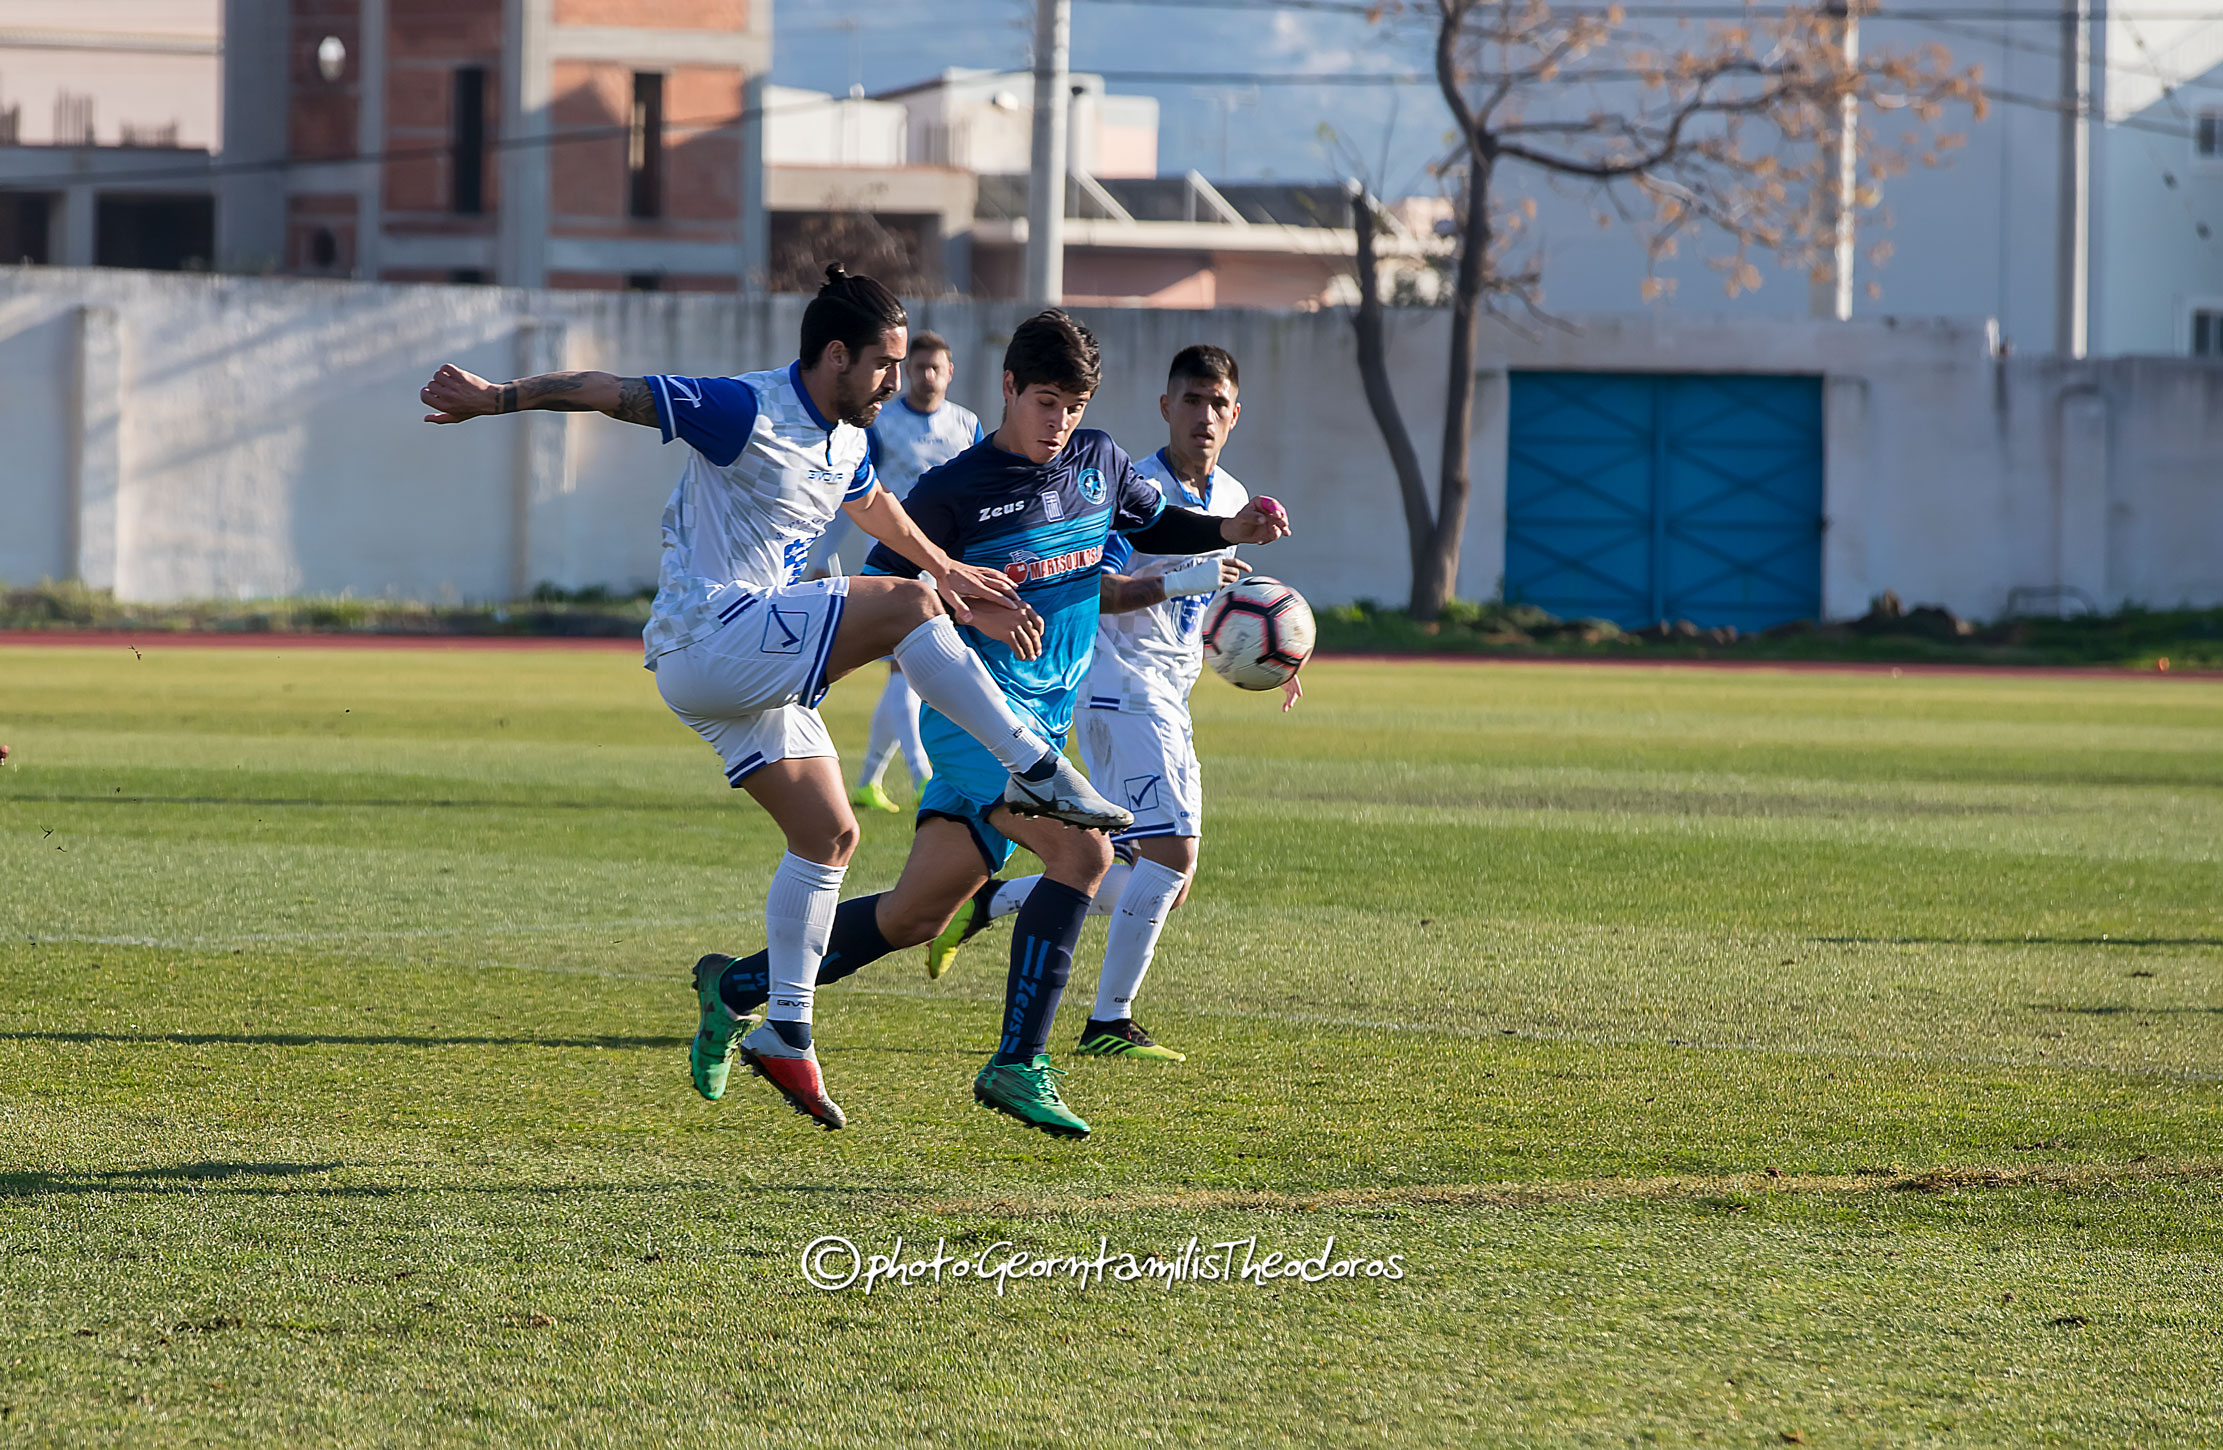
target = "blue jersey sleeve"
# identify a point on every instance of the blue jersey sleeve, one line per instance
(714, 416)
(864, 481)
(1117, 551)
(979, 436)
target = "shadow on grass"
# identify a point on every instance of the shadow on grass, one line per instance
(336, 802)
(2126, 1011)
(2019, 941)
(329, 1039)
(252, 1180)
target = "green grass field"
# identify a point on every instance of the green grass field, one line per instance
(1732, 1058)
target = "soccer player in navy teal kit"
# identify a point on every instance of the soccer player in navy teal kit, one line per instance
(1039, 500)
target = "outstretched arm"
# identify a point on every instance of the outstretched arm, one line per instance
(455, 395)
(881, 515)
(1120, 593)
(1191, 531)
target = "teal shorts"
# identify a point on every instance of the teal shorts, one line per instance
(968, 783)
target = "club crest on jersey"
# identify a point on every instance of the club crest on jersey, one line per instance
(1092, 485)
(1053, 507)
(1025, 568)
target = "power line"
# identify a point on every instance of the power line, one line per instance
(1678, 12)
(1415, 78)
(2170, 80)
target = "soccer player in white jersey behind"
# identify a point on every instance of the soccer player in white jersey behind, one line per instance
(743, 648)
(921, 429)
(1135, 732)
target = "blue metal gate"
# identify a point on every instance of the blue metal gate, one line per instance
(1638, 497)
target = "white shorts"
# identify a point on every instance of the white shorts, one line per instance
(750, 686)
(1147, 763)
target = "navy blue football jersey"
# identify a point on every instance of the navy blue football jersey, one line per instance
(1045, 526)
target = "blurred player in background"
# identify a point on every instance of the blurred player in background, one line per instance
(743, 647)
(921, 429)
(1038, 500)
(1136, 736)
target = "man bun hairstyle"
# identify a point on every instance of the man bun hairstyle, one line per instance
(850, 310)
(1204, 363)
(1050, 347)
(923, 343)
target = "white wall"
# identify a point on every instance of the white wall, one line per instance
(2153, 196)
(267, 439)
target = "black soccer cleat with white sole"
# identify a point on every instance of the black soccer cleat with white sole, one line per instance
(1065, 795)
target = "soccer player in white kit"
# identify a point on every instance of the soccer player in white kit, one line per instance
(1135, 732)
(743, 648)
(921, 429)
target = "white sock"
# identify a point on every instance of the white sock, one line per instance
(1144, 905)
(907, 734)
(1012, 894)
(952, 679)
(887, 729)
(798, 918)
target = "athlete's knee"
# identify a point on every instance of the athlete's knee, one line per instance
(917, 602)
(1181, 897)
(830, 844)
(1079, 858)
(906, 921)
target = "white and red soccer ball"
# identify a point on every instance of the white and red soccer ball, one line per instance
(1258, 633)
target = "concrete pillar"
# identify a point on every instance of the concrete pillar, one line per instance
(2080, 495)
(755, 260)
(542, 464)
(370, 137)
(80, 218)
(96, 449)
(1849, 499)
(1482, 550)
(251, 204)
(528, 83)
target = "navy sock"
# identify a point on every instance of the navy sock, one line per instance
(1043, 936)
(1042, 769)
(856, 942)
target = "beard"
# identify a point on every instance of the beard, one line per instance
(860, 409)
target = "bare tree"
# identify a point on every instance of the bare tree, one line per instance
(1740, 136)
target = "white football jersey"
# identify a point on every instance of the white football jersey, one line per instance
(767, 474)
(1148, 659)
(906, 442)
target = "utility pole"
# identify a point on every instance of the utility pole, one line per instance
(1835, 297)
(2072, 308)
(1053, 31)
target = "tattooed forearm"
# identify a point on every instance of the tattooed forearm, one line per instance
(553, 393)
(635, 403)
(1118, 593)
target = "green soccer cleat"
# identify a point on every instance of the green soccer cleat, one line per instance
(1123, 1038)
(710, 1055)
(970, 921)
(1028, 1092)
(872, 798)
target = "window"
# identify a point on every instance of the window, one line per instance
(467, 276)
(644, 150)
(467, 143)
(2207, 331)
(2207, 136)
(644, 281)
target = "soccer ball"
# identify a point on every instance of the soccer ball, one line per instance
(1257, 633)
